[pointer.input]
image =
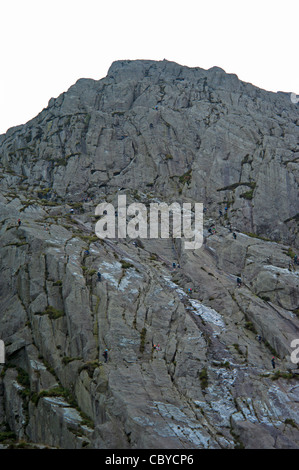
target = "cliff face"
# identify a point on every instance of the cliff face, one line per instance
(156, 132)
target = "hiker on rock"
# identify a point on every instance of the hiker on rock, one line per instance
(19, 222)
(235, 235)
(99, 276)
(273, 362)
(239, 282)
(105, 355)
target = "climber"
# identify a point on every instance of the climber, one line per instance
(235, 235)
(296, 259)
(239, 282)
(72, 211)
(259, 338)
(105, 354)
(273, 362)
(86, 252)
(99, 276)
(19, 222)
(173, 265)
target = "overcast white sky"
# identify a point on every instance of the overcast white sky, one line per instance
(47, 45)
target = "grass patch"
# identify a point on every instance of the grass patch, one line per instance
(6, 435)
(284, 375)
(126, 265)
(90, 367)
(89, 238)
(290, 253)
(186, 177)
(291, 422)
(254, 235)
(142, 340)
(203, 378)
(265, 298)
(53, 313)
(250, 326)
(66, 359)
(271, 349)
(233, 186)
(238, 349)
(247, 195)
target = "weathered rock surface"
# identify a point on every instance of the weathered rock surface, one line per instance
(155, 131)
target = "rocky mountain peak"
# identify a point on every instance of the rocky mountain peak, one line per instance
(189, 347)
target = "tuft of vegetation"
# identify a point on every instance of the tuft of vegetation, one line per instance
(66, 359)
(232, 187)
(238, 443)
(90, 367)
(142, 339)
(238, 349)
(271, 349)
(250, 326)
(296, 312)
(203, 377)
(126, 265)
(247, 195)
(89, 238)
(7, 435)
(265, 298)
(186, 177)
(295, 217)
(23, 377)
(53, 313)
(254, 235)
(284, 375)
(290, 253)
(291, 422)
